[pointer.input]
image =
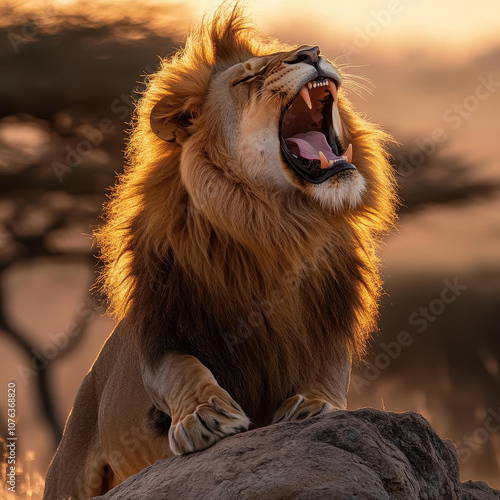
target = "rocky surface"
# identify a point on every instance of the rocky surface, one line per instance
(349, 455)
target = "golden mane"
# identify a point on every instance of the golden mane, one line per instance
(187, 274)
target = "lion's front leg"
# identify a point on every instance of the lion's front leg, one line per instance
(324, 394)
(302, 406)
(202, 412)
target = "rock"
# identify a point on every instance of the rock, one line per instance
(348, 455)
(478, 490)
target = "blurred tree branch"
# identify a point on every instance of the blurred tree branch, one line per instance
(29, 247)
(438, 180)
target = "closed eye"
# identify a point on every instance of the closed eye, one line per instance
(246, 79)
(300, 58)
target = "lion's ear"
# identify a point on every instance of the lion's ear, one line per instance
(167, 126)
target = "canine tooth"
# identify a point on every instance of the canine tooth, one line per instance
(348, 153)
(304, 92)
(323, 160)
(309, 85)
(333, 89)
(336, 122)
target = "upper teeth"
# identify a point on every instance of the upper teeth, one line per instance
(304, 91)
(313, 85)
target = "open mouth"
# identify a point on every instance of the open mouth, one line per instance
(309, 142)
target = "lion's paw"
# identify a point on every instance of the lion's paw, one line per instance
(209, 423)
(299, 407)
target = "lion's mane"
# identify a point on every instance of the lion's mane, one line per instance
(262, 288)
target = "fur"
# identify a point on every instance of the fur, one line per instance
(189, 273)
(230, 277)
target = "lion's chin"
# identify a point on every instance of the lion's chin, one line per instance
(342, 192)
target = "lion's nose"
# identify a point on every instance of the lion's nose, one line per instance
(309, 55)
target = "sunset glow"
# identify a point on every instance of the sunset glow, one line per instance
(460, 29)
(430, 73)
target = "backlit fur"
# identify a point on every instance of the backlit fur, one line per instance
(265, 285)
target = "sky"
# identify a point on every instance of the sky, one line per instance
(456, 28)
(459, 26)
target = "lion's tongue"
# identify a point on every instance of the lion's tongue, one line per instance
(309, 144)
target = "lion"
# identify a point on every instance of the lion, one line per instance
(240, 256)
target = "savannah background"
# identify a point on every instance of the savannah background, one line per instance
(69, 72)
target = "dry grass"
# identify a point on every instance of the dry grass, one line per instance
(29, 483)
